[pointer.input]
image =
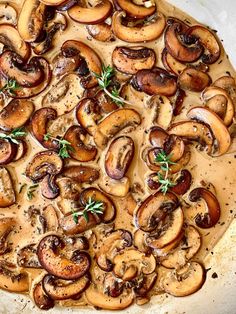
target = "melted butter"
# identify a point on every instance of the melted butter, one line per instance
(218, 171)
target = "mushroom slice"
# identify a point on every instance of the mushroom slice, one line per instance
(193, 80)
(119, 188)
(183, 183)
(226, 110)
(22, 149)
(43, 163)
(80, 151)
(184, 281)
(6, 226)
(91, 15)
(103, 301)
(140, 241)
(59, 289)
(187, 248)
(27, 257)
(130, 263)
(31, 20)
(69, 188)
(157, 136)
(119, 156)
(228, 84)
(169, 229)
(51, 218)
(41, 299)
(136, 11)
(177, 48)
(8, 14)
(156, 81)
(12, 67)
(11, 39)
(208, 40)
(114, 123)
(171, 64)
(130, 60)
(8, 151)
(39, 122)
(194, 131)
(7, 193)
(50, 255)
(12, 280)
(217, 126)
(49, 188)
(154, 209)
(112, 285)
(209, 219)
(15, 114)
(148, 32)
(146, 285)
(163, 110)
(53, 2)
(109, 210)
(81, 174)
(101, 32)
(110, 246)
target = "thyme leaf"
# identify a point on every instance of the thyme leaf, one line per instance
(64, 145)
(14, 135)
(92, 206)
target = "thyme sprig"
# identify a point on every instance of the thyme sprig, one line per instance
(14, 135)
(64, 145)
(92, 206)
(31, 190)
(105, 80)
(11, 86)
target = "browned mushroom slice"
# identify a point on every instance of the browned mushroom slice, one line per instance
(51, 218)
(174, 146)
(228, 84)
(22, 149)
(178, 101)
(59, 289)
(49, 188)
(111, 245)
(12, 280)
(109, 210)
(153, 182)
(155, 82)
(223, 105)
(41, 299)
(132, 59)
(183, 183)
(208, 41)
(193, 80)
(8, 152)
(27, 257)
(212, 216)
(167, 249)
(65, 62)
(114, 123)
(80, 151)
(187, 248)
(7, 193)
(113, 287)
(154, 209)
(119, 188)
(15, 114)
(12, 67)
(6, 227)
(184, 281)
(31, 20)
(8, 14)
(11, 39)
(147, 284)
(53, 2)
(50, 255)
(177, 48)
(171, 64)
(163, 110)
(157, 136)
(194, 131)
(140, 241)
(69, 188)
(81, 174)
(43, 163)
(217, 126)
(119, 156)
(135, 10)
(101, 32)
(148, 32)
(91, 15)
(168, 230)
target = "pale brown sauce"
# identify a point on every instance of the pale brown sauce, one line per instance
(218, 171)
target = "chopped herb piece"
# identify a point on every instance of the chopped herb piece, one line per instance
(92, 206)
(64, 146)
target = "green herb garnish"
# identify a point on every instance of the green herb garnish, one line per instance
(104, 81)
(31, 190)
(92, 206)
(64, 146)
(11, 86)
(14, 135)
(22, 187)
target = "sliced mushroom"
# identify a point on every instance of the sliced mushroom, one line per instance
(111, 245)
(65, 62)
(51, 218)
(59, 289)
(91, 15)
(217, 126)
(146, 285)
(8, 14)
(130, 60)
(156, 81)
(27, 257)
(119, 156)
(140, 241)
(22, 149)
(167, 249)
(193, 80)
(135, 10)
(8, 152)
(41, 299)
(101, 32)
(154, 209)
(31, 20)
(113, 287)
(13, 280)
(50, 255)
(11, 39)
(43, 163)
(184, 281)
(6, 227)
(171, 64)
(148, 32)
(69, 188)
(119, 188)
(183, 183)
(209, 219)
(113, 123)
(163, 111)
(53, 2)
(49, 188)
(194, 131)
(228, 84)
(158, 136)
(80, 151)
(7, 193)
(178, 101)
(81, 174)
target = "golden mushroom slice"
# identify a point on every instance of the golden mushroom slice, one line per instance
(137, 10)
(184, 281)
(13, 280)
(163, 110)
(119, 188)
(8, 14)
(7, 193)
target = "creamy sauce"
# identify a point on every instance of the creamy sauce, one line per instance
(218, 171)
